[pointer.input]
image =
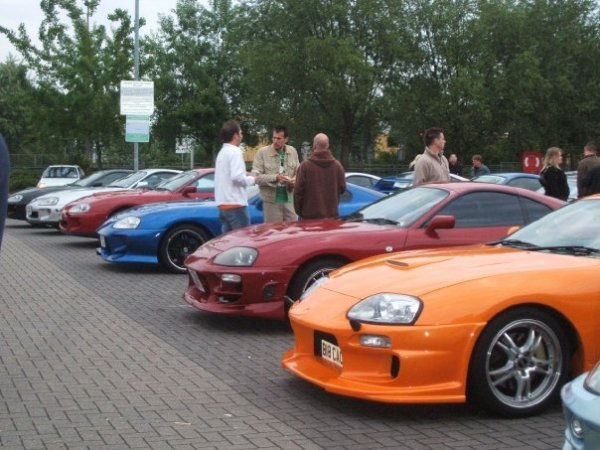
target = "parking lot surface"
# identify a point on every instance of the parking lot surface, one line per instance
(100, 356)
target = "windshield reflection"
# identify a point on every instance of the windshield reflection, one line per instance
(174, 183)
(403, 208)
(572, 225)
(129, 180)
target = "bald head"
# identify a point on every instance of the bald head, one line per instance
(320, 143)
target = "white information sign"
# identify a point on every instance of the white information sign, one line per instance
(137, 97)
(184, 145)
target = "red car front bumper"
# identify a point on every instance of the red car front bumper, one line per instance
(260, 292)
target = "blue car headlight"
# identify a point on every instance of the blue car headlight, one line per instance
(237, 256)
(387, 308)
(127, 223)
(592, 381)
(15, 198)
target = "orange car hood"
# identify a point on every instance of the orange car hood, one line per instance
(423, 271)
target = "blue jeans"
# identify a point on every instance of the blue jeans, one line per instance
(232, 219)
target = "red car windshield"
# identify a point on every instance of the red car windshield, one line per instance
(403, 208)
(174, 183)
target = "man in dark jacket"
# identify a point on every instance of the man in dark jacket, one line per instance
(4, 171)
(589, 160)
(591, 182)
(320, 182)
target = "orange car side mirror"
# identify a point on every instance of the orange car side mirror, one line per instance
(512, 229)
(439, 223)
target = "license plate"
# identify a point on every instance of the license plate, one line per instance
(331, 353)
(102, 241)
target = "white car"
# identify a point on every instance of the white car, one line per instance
(59, 175)
(45, 210)
(362, 179)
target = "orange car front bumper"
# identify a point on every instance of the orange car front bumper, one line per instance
(422, 365)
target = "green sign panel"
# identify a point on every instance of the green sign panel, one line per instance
(137, 129)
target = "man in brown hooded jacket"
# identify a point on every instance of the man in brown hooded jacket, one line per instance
(320, 182)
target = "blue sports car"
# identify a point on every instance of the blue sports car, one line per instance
(523, 180)
(403, 181)
(166, 233)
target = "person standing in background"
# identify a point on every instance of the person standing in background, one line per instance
(453, 165)
(552, 177)
(432, 166)
(320, 183)
(275, 169)
(591, 182)
(231, 179)
(4, 174)
(478, 168)
(590, 159)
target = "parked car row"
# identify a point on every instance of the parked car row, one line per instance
(166, 233)
(18, 201)
(264, 277)
(425, 295)
(503, 325)
(46, 209)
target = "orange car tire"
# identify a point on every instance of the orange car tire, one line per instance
(519, 363)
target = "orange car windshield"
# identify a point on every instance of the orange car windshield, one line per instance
(572, 228)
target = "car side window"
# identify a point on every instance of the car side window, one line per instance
(485, 209)
(534, 210)
(359, 181)
(346, 197)
(206, 183)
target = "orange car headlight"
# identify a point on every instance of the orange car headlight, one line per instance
(387, 308)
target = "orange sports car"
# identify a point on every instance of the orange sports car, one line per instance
(503, 324)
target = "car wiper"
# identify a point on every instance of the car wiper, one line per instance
(354, 217)
(375, 220)
(380, 221)
(570, 249)
(514, 243)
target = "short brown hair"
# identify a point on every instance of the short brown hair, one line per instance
(591, 146)
(229, 129)
(477, 158)
(431, 134)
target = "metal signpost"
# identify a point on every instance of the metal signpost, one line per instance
(137, 99)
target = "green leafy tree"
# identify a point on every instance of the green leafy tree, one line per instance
(545, 80)
(76, 74)
(188, 60)
(499, 76)
(320, 65)
(15, 104)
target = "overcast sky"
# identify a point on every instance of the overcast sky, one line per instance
(15, 12)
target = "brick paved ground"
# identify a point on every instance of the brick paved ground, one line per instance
(103, 356)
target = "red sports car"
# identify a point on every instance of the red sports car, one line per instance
(258, 270)
(84, 216)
